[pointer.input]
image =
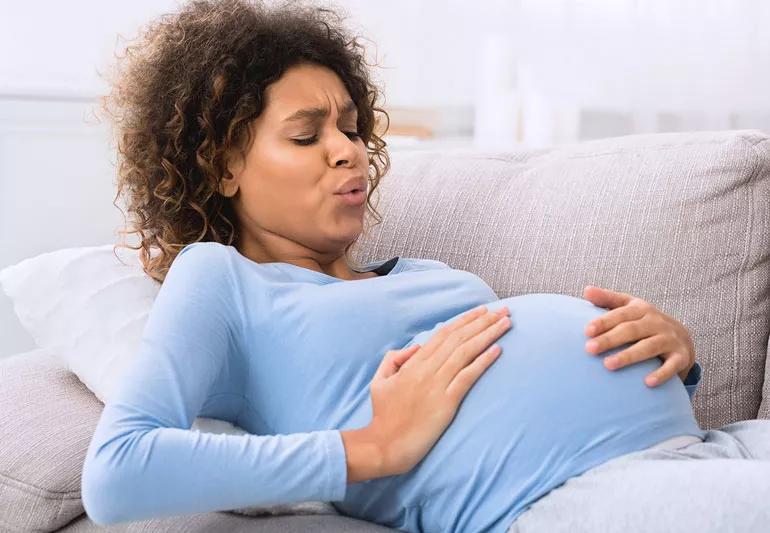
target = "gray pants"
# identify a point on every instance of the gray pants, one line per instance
(719, 485)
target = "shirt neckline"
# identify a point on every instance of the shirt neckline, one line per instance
(378, 265)
(326, 278)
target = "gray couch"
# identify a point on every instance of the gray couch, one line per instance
(681, 220)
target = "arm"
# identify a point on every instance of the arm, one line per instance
(144, 461)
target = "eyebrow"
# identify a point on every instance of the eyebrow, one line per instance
(314, 113)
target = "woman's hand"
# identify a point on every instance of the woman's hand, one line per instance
(632, 319)
(416, 391)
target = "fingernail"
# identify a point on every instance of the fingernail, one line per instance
(591, 330)
(592, 345)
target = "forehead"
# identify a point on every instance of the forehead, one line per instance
(302, 87)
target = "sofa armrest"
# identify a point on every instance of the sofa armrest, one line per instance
(47, 418)
(35, 354)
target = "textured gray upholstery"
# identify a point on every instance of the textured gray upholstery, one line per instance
(681, 220)
(47, 417)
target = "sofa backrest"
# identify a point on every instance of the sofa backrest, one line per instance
(681, 220)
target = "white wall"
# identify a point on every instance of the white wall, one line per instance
(57, 170)
(56, 189)
(658, 55)
(650, 66)
(576, 70)
(585, 69)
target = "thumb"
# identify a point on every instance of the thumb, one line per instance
(393, 360)
(605, 298)
(404, 354)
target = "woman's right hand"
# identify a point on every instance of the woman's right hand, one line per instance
(416, 391)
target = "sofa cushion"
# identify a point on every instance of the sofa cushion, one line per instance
(681, 220)
(764, 407)
(230, 523)
(47, 417)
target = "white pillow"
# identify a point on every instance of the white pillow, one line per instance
(90, 309)
(86, 307)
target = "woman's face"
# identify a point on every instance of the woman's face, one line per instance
(284, 192)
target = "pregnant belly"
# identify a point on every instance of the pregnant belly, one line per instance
(545, 410)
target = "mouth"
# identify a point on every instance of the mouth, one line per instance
(354, 198)
(354, 184)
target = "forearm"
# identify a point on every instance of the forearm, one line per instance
(365, 455)
(134, 471)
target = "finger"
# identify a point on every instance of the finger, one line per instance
(625, 332)
(386, 369)
(447, 343)
(612, 318)
(405, 353)
(446, 329)
(392, 361)
(465, 318)
(467, 377)
(464, 327)
(452, 363)
(639, 351)
(668, 369)
(488, 328)
(605, 298)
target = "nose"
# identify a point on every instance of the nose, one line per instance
(344, 151)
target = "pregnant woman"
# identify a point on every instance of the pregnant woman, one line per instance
(403, 391)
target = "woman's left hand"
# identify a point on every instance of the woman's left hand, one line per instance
(631, 319)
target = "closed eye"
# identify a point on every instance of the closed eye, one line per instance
(311, 140)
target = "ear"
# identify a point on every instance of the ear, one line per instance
(228, 185)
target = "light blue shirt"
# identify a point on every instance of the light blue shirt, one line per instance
(288, 353)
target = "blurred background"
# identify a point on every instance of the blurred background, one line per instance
(483, 75)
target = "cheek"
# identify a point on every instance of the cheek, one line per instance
(270, 183)
(290, 190)
(284, 203)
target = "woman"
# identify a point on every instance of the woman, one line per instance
(249, 155)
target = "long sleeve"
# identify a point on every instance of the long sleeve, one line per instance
(145, 462)
(692, 380)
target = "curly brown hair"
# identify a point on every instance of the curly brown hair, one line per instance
(183, 96)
